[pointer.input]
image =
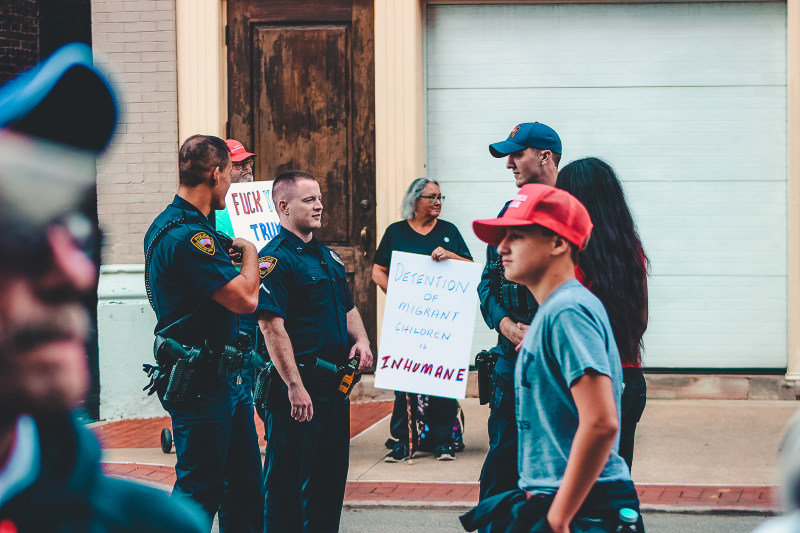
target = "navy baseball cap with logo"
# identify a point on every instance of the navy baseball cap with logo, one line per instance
(527, 135)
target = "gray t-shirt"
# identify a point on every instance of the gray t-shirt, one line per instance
(569, 334)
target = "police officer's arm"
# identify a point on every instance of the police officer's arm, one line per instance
(492, 310)
(356, 330)
(281, 353)
(240, 295)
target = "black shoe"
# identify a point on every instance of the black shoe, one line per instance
(390, 443)
(444, 453)
(398, 454)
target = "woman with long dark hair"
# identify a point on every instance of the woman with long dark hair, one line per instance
(614, 267)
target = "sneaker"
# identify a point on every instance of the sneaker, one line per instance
(444, 453)
(398, 454)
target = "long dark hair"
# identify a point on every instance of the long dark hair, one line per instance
(614, 263)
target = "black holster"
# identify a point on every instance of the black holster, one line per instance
(184, 371)
(262, 389)
(484, 362)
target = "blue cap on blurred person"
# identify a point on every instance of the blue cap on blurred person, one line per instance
(55, 119)
(527, 135)
(64, 99)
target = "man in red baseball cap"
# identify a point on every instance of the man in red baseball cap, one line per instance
(568, 377)
(242, 162)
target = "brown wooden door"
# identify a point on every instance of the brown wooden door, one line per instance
(301, 95)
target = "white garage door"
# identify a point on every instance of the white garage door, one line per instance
(686, 101)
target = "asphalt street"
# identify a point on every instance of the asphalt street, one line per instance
(441, 521)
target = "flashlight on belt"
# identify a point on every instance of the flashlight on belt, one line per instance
(343, 377)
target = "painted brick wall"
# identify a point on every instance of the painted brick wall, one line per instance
(135, 40)
(19, 36)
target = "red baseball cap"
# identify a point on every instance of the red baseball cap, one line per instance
(539, 204)
(238, 153)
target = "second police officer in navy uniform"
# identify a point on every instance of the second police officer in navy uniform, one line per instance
(196, 293)
(534, 151)
(308, 319)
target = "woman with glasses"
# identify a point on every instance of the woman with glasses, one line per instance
(421, 232)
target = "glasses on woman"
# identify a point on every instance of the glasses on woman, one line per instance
(434, 197)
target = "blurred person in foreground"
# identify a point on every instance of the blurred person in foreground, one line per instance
(567, 379)
(789, 486)
(421, 232)
(54, 121)
(614, 267)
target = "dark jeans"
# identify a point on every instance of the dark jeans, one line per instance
(439, 415)
(634, 397)
(305, 467)
(499, 472)
(216, 445)
(599, 511)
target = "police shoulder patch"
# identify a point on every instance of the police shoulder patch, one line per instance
(203, 242)
(265, 265)
(336, 257)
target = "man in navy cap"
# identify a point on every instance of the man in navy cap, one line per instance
(534, 151)
(54, 121)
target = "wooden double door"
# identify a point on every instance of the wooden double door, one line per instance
(301, 95)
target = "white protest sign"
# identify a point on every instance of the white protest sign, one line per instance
(427, 325)
(252, 214)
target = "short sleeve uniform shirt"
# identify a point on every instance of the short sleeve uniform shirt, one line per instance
(304, 283)
(569, 335)
(187, 266)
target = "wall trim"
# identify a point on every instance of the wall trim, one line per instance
(202, 67)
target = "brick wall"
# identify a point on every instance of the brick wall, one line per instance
(138, 177)
(19, 36)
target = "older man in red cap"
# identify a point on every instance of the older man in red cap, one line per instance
(242, 161)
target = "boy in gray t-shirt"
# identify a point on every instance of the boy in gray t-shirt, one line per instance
(568, 378)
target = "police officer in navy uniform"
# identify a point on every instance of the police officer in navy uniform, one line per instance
(197, 293)
(534, 151)
(305, 311)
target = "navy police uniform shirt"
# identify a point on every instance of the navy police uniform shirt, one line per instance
(305, 285)
(187, 266)
(493, 311)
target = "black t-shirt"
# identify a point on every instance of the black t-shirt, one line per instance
(401, 236)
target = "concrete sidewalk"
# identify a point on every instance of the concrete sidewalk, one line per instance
(700, 455)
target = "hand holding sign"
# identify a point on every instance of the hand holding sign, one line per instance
(249, 213)
(427, 325)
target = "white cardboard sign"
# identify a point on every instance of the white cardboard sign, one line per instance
(252, 213)
(427, 325)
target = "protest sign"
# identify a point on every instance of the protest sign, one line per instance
(249, 213)
(427, 325)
